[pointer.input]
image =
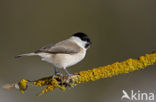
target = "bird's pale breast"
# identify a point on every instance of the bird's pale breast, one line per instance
(67, 60)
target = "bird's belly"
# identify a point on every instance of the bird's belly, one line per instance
(66, 60)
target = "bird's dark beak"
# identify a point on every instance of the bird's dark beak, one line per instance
(88, 44)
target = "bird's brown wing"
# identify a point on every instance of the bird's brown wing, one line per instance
(66, 47)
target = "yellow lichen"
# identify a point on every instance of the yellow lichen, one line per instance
(116, 68)
(23, 85)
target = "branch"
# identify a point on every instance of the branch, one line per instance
(62, 82)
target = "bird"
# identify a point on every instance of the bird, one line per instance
(65, 53)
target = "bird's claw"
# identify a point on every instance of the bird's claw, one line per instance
(57, 74)
(69, 76)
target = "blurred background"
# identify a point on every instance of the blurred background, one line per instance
(119, 29)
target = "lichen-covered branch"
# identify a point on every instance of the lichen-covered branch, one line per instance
(62, 82)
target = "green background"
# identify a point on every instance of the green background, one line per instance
(119, 29)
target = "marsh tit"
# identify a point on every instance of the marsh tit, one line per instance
(65, 53)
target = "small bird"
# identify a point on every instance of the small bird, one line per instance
(65, 53)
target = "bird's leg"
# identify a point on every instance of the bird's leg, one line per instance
(67, 72)
(69, 77)
(56, 73)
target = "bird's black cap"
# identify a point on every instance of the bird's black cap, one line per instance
(83, 37)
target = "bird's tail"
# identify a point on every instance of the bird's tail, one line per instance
(27, 54)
